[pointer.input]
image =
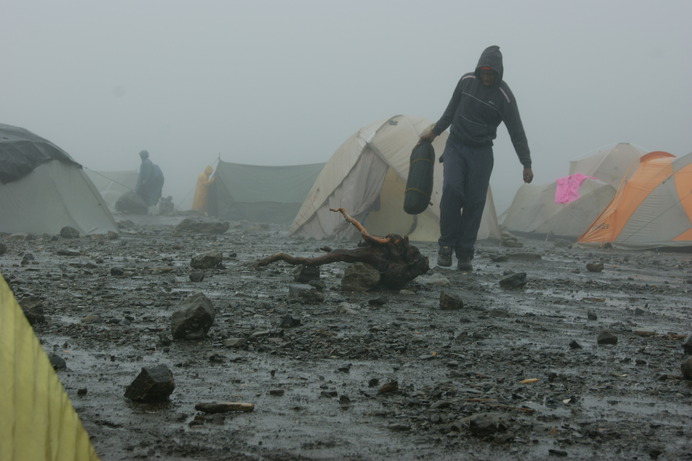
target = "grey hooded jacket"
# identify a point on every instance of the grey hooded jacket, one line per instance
(475, 111)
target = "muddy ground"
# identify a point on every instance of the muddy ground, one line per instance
(365, 376)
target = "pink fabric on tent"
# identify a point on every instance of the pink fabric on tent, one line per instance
(567, 189)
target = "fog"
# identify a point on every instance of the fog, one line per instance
(286, 82)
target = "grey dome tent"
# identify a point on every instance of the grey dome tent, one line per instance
(42, 189)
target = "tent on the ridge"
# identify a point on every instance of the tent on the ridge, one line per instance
(366, 176)
(652, 209)
(534, 209)
(38, 420)
(113, 184)
(611, 164)
(42, 189)
(258, 193)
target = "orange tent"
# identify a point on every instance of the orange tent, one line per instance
(653, 208)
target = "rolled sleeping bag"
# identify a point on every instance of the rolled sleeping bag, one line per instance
(419, 183)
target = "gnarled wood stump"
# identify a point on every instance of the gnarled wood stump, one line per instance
(397, 261)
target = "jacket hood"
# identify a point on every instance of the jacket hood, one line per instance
(491, 57)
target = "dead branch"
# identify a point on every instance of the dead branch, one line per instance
(397, 262)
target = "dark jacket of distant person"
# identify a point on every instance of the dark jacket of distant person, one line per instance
(149, 181)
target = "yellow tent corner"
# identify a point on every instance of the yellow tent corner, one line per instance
(37, 421)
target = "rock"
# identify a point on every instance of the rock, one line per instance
(686, 368)
(574, 345)
(57, 362)
(131, 203)
(3, 248)
(117, 271)
(289, 322)
(389, 388)
(687, 345)
(305, 274)
(344, 401)
(591, 315)
(69, 232)
(487, 424)
(194, 317)
(306, 293)
(607, 337)
(206, 260)
(196, 276)
(201, 227)
(450, 302)
(32, 306)
(514, 281)
(360, 277)
(594, 267)
(153, 384)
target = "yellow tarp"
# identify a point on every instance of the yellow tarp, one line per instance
(37, 421)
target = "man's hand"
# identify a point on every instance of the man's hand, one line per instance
(428, 134)
(528, 175)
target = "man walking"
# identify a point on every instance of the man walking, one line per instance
(481, 100)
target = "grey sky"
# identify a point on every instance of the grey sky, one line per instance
(286, 82)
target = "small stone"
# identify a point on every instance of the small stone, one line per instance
(57, 362)
(514, 281)
(687, 345)
(450, 302)
(196, 276)
(388, 388)
(574, 345)
(153, 384)
(486, 424)
(305, 274)
(607, 337)
(288, 321)
(594, 267)
(686, 368)
(69, 232)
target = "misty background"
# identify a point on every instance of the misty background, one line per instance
(286, 82)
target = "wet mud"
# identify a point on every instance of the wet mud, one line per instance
(513, 374)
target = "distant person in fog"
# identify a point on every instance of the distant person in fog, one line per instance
(150, 180)
(204, 182)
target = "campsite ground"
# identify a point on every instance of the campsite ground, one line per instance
(365, 376)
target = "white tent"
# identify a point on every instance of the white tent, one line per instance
(366, 176)
(534, 210)
(43, 190)
(611, 164)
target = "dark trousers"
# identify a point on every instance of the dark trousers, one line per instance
(464, 188)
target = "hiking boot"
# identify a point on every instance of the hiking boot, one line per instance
(464, 264)
(444, 256)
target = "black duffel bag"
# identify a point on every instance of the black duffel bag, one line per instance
(419, 183)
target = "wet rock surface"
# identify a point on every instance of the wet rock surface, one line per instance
(385, 374)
